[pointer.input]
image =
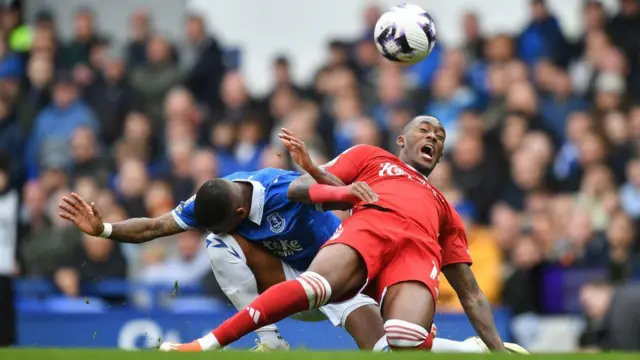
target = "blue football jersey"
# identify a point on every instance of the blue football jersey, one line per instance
(291, 231)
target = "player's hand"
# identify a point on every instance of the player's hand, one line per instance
(363, 192)
(297, 149)
(86, 217)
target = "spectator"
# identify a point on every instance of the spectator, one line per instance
(204, 167)
(201, 61)
(399, 115)
(527, 174)
(141, 33)
(45, 43)
(621, 238)
(48, 239)
(366, 132)
(188, 267)
(620, 150)
(250, 144)
(597, 184)
(10, 63)
(282, 101)
(566, 168)
(87, 161)
(609, 92)
(476, 174)
(138, 134)
(522, 290)
(370, 16)
(36, 92)
(625, 28)
(390, 92)
(112, 98)
(630, 191)
(473, 40)
(557, 106)
(9, 265)
(44, 20)
(180, 154)
(11, 141)
(367, 58)
(180, 107)
(581, 245)
(131, 182)
(154, 80)
(19, 34)
(496, 108)
(450, 99)
(612, 317)
(55, 125)
(159, 198)
(237, 101)
(513, 132)
(543, 37)
(594, 18)
(585, 67)
(85, 36)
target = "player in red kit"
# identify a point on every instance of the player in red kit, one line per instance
(393, 246)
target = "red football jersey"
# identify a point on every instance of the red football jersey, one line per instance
(404, 191)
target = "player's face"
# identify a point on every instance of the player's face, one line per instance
(423, 145)
(235, 215)
(229, 224)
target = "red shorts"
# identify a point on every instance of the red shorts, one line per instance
(393, 250)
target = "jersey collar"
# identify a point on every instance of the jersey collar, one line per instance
(257, 201)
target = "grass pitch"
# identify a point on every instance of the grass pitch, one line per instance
(42, 354)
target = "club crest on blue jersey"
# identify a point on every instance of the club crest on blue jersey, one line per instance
(276, 222)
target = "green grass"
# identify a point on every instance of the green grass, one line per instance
(98, 354)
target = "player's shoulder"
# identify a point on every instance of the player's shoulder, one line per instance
(264, 176)
(367, 151)
(365, 148)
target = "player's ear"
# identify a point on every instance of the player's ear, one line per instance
(400, 141)
(242, 212)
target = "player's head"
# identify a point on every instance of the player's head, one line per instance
(220, 206)
(422, 143)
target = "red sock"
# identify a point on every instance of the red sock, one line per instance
(278, 302)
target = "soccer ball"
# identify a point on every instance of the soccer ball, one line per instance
(405, 34)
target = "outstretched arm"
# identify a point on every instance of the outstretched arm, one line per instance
(141, 230)
(305, 190)
(475, 303)
(134, 231)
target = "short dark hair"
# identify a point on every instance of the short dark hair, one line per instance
(213, 203)
(414, 122)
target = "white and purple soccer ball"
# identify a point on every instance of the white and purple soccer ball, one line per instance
(406, 34)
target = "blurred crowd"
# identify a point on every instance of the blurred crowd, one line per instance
(543, 136)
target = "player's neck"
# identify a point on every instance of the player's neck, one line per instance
(408, 163)
(247, 193)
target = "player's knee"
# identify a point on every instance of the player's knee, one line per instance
(405, 335)
(316, 287)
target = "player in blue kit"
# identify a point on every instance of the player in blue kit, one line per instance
(264, 223)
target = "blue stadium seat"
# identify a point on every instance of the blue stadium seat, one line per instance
(64, 304)
(195, 304)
